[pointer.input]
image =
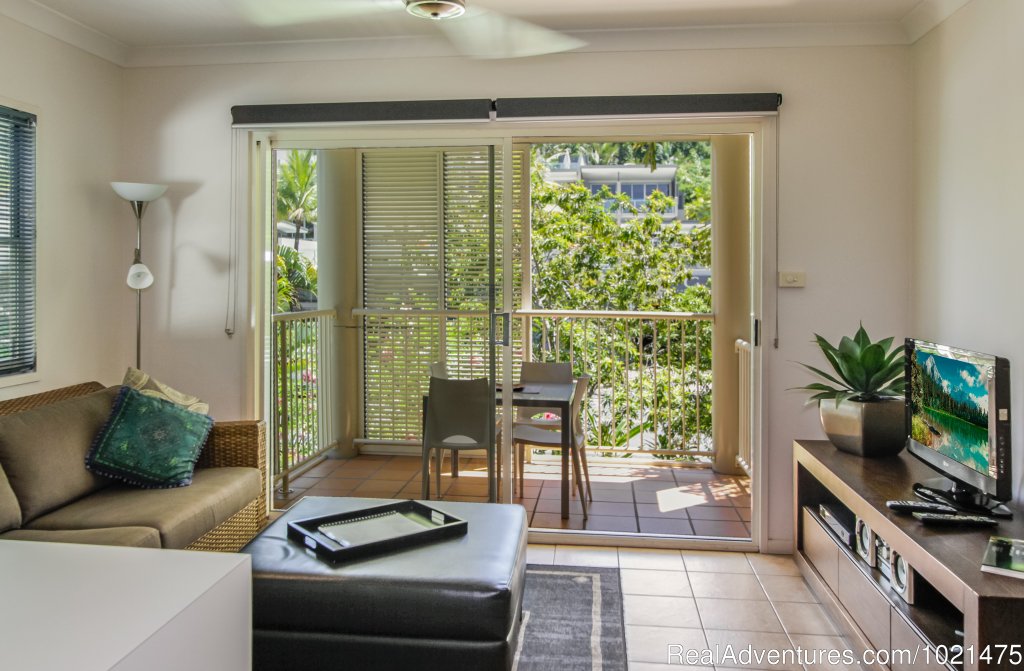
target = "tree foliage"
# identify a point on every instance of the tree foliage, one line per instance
(296, 199)
(296, 279)
(584, 257)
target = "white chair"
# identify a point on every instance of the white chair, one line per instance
(527, 434)
(459, 417)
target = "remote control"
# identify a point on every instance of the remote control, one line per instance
(919, 506)
(956, 520)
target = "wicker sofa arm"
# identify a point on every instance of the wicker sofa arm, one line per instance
(242, 443)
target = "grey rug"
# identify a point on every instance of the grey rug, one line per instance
(572, 620)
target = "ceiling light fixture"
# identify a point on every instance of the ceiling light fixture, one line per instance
(436, 9)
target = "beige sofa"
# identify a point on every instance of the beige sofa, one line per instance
(47, 494)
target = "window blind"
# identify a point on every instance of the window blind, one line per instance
(425, 275)
(17, 242)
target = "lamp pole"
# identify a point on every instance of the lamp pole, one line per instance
(138, 209)
(138, 196)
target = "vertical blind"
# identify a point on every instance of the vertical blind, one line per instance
(17, 242)
(425, 275)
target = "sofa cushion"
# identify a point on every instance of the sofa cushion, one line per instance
(181, 515)
(10, 511)
(150, 386)
(43, 450)
(149, 442)
(139, 537)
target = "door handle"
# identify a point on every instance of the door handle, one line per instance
(506, 328)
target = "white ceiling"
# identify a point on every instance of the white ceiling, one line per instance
(126, 31)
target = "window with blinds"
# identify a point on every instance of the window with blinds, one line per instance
(17, 242)
(426, 238)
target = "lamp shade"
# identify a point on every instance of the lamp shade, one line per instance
(138, 192)
(139, 276)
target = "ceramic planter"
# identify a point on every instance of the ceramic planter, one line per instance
(865, 428)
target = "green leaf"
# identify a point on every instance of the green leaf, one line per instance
(861, 337)
(853, 371)
(822, 373)
(849, 347)
(818, 386)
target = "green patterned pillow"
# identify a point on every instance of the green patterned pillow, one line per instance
(148, 442)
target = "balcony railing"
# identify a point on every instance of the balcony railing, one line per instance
(650, 376)
(302, 379)
(744, 409)
(650, 372)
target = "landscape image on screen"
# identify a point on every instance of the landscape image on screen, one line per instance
(949, 407)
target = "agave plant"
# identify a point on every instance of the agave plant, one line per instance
(864, 370)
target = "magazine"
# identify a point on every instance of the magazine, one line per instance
(1004, 556)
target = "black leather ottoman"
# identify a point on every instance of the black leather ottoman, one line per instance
(454, 604)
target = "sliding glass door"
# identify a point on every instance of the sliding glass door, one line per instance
(434, 282)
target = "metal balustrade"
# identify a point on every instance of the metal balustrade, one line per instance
(744, 410)
(302, 427)
(650, 375)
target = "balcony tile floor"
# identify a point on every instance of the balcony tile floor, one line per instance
(628, 498)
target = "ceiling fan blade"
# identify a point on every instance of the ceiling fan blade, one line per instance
(483, 34)
(296, 12)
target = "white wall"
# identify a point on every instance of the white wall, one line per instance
(85, 318)
(845, 153)
(968, 231)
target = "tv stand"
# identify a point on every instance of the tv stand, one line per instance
(964, 498)
(954, 602)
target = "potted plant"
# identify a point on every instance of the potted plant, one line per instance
(861, 403)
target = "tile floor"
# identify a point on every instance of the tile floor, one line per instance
(701, 600)
(628, 498)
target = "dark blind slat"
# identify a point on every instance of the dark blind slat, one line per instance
(702, 103)
(17, 242)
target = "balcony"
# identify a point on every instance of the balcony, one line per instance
(648, 416)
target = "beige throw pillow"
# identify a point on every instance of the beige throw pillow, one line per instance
(136, 379)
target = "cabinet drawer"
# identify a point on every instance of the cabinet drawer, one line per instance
(905, 638)
(821, 550)
(861, 598)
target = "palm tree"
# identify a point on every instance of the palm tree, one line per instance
(296, 190)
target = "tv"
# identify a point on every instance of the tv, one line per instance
(958, 422)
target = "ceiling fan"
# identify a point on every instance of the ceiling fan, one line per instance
(474, 32)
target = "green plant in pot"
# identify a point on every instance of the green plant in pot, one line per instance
(861, 402)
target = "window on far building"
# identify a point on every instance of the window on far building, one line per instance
(17, 242)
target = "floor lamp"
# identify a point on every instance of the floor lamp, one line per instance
(138, 196)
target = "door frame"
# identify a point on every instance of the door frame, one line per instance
(251, 150)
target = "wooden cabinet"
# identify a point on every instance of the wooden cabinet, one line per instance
(955, 603)
(821, 550)
(909, 647)
(864, 602)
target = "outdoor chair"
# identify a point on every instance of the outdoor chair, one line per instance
(459, 416)
(527, 434)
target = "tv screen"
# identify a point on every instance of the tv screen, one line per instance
(958, 422)
(950, 394)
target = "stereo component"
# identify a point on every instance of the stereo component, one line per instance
(838, 528)
(901, 576)
(865, 542)
(883, 557)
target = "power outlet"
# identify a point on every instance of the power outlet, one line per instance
(792, 279)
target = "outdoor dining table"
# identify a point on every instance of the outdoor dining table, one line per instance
(556, 395)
